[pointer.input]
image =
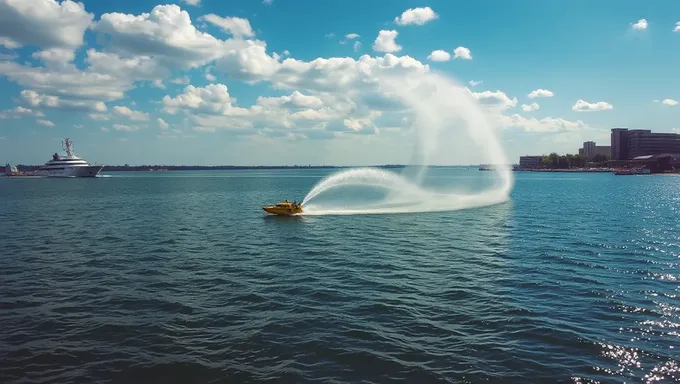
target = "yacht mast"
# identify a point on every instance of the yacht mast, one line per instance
(68, 147)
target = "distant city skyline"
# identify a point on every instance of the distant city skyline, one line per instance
(207, 82)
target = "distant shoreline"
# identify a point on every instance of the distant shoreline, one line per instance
(126, 168)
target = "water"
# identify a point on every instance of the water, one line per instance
(180, 277)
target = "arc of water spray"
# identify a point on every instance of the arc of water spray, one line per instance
(435, 100)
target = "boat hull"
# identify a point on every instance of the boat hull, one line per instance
(282, 211)
(85, 171)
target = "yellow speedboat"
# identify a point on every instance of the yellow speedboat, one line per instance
(284, 208)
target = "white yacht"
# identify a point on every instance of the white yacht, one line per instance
(69, 165)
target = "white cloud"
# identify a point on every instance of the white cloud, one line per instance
(530, 107)
(158, 83)
(235, 26)
(46, 123)
(584, 106)
(126, 68)
(497, 100)
(191, 2)
(181, 80)
(99, 116)
(162, 124)
(125, 128)
(357, 46)
(670, 102)
(130, 114)
(267, 2)
(213, 99)
(641, 25)
(474, 83)
(677, 27)
(40, 100)
(168, 33)
(351, 36)
(548, 124)
(9, 43)
(416, 16)
(55, 56)
(210, 77)
(20, 111)
(107, 79)
(439, 55)
(540, 93)
(385, 42)
(47, 23)
(462, 53)
(295, 100)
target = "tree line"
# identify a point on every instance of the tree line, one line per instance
(555, 161)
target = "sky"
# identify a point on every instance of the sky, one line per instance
(282, 82)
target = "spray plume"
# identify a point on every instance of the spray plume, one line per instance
(440, 106)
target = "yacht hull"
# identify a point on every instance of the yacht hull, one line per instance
(84, 171)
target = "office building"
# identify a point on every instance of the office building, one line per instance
(590, 149)
(530, 162)
(629, 144)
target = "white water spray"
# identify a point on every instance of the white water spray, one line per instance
(439, 104)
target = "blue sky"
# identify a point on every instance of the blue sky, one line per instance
(280, 82)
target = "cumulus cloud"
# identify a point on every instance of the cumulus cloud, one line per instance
(530, 107)
(235, 26)
(320, 98)
(677, 27)
(462, 53)
(669, 102)
(191, 2)
(497, 100)
(474, 83)
(213, 98)
(166, 32)
(416, 16)
(40, 100)
(295, 100)
(126, 112)
(548, 124)
(584, 106)
(45, 123)
(47, 24)
(162, 124)
(20, 111)
(540, 93)
(439, 55)
(68, 86)
(181, 80)
(385, 42)
(641, 25)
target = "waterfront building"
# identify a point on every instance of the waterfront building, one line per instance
(530, 162)
(628, 144)
(590, 149)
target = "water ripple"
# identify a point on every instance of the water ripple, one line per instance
(182, 280)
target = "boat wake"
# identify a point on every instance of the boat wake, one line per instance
(440, 108)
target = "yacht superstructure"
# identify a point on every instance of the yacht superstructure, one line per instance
(69, 165)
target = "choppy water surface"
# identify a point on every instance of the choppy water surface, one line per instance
(180, 277)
